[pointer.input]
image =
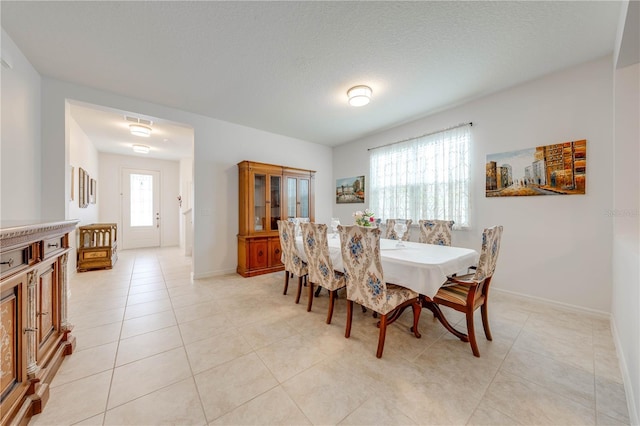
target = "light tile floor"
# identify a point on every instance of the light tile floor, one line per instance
(155, 348)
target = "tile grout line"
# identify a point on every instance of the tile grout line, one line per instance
(115, 358)
(184, 348)
(484, 393)
(169, 384)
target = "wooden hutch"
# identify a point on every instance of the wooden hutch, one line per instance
(268, 193)
(33, 322)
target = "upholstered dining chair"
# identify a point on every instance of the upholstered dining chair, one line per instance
(360, 247)
(436, 232)
(391, 233)
(282, 233)
(469, 292)
(321, 272)
(293, 264)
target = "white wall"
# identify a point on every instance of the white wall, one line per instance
(82, 153)
(110, 192)
(626, 206)
(20, 146)
(218, 147)
(554, 247)
(216, 184)
(186, 192)
(626, 230)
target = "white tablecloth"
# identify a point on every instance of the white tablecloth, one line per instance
(420, 267)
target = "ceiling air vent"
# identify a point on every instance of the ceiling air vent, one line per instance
(138, 120)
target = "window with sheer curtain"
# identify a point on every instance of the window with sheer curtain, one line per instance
(423, 178)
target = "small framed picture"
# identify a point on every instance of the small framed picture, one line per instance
(92, 192)
(82, 188)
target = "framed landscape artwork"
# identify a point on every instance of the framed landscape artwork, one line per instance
(558, 169)
(83, 188)
(92, 191)
(350, 190)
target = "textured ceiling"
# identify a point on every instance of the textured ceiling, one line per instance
(285, 67)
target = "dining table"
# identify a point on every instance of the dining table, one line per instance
(420, 267)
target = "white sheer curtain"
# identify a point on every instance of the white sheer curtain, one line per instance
(423, 178)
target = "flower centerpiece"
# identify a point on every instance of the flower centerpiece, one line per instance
(365, 218)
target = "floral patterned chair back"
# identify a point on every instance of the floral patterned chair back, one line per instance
(391, 233)
(360, 248)
(436, 232)
(282, 232)
(316, 247)
(489, 253)
(292, 261)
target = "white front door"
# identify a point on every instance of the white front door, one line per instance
(140, 208)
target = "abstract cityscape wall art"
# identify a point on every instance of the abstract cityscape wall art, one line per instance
(558, 169)
(350, 190)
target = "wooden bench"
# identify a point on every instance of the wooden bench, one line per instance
(97, 246)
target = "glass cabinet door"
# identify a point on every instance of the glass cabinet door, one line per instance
(259, 202)
(274, 201)
(292, 197)
(298, 197)
(304, 198)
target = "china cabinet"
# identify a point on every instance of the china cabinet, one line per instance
(268, 193)
(35, 334)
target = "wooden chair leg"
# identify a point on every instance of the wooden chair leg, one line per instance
(286, 282)
(383, 334)
(471, 333)
(417, 309)
(299, 290)
(332, 297)
(485, 320)
(310, 302)
(347, 331)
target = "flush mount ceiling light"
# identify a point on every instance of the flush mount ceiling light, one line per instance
(140, 130)
(359, 95)
(141, 149)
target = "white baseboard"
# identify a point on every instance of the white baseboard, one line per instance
(626, 379)
(211, 274)
(562, 305)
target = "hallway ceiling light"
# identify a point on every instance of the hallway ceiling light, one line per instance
(359, 95)
(140, 130)
(141, 149)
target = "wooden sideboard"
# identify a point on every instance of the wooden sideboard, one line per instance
(34, 330)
